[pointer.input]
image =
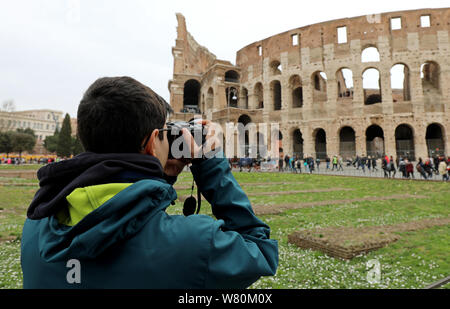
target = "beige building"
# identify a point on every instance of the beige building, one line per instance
(42, 122)
(368, 85)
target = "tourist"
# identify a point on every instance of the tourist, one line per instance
(298, 163)
(327, 161)
(409, 169)
(99, 220)
(392, 166)
(311, 164)
(442, 168)
(374, 164)
(402, 167)
(286, 162)
(340, 162)
(428, 168)
(292, 164)
(335, 163)
(386, 166)
(363, 163)
(420, 168)
(436, 162)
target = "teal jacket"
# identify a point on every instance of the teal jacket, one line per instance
(130, 241)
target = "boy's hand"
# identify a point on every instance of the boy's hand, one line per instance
(175, 166)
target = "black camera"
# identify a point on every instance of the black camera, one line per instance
(174, 135)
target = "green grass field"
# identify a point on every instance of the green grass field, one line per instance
(416, 260)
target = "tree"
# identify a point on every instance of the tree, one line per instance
(23, 142)
(77, 147)
(27, 131)
(6, 143)
(64, 148)
(51, 142)
(8, 106)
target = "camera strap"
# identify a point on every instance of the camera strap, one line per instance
(190, 204)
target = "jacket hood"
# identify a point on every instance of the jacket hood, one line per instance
(119, 218)
(58, 180)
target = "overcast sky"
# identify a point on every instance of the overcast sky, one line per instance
(52, 50)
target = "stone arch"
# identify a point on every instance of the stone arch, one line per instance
(275, 87)
(347, 142)
(435, 139)
(275, 67)
(258, 91)
(277, 138)
(261, 148)
(375, 146)
(370, 54)
(430, 74)
(191, 96)
(297, 143)
(371, 86)
(232, 96)
(404, 140)
(295, 86)
(245, 148)
(400, 82)
(210, 99)
(320, 141)
(319, 81)
(232, 76)
(344, 78)
(244, 98)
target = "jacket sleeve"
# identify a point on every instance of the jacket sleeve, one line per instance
(241, 250)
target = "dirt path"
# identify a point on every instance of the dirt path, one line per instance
(19, 184)
(348, 242)
(279, 208)
(184, 197)
(186, 186)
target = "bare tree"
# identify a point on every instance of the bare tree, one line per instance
(8, 106)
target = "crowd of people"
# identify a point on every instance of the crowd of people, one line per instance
(426, 168)
(13, 160)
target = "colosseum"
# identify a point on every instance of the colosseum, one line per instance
(368, 85)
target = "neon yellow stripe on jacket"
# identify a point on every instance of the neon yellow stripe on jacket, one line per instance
(83, 201)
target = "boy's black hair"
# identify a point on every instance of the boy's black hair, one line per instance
(117, 113)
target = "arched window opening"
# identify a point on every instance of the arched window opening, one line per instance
(430, 77)
(244, 98)
(261, 149)
(320, 139)
(191, 97)
(370, 54)
(295, 85)
(259, 94)
(297, 140)
(435, 140)
(275, 67)
(375, 141)
(347, 142)
(372, 86)
(400, 83)
(276, 95)
(210, 100)
(404, 139)
(232, 97)
(320, 87)
(344, 79)
(244, 148)
(232, 76)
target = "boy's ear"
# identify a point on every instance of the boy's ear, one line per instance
(150, 147)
